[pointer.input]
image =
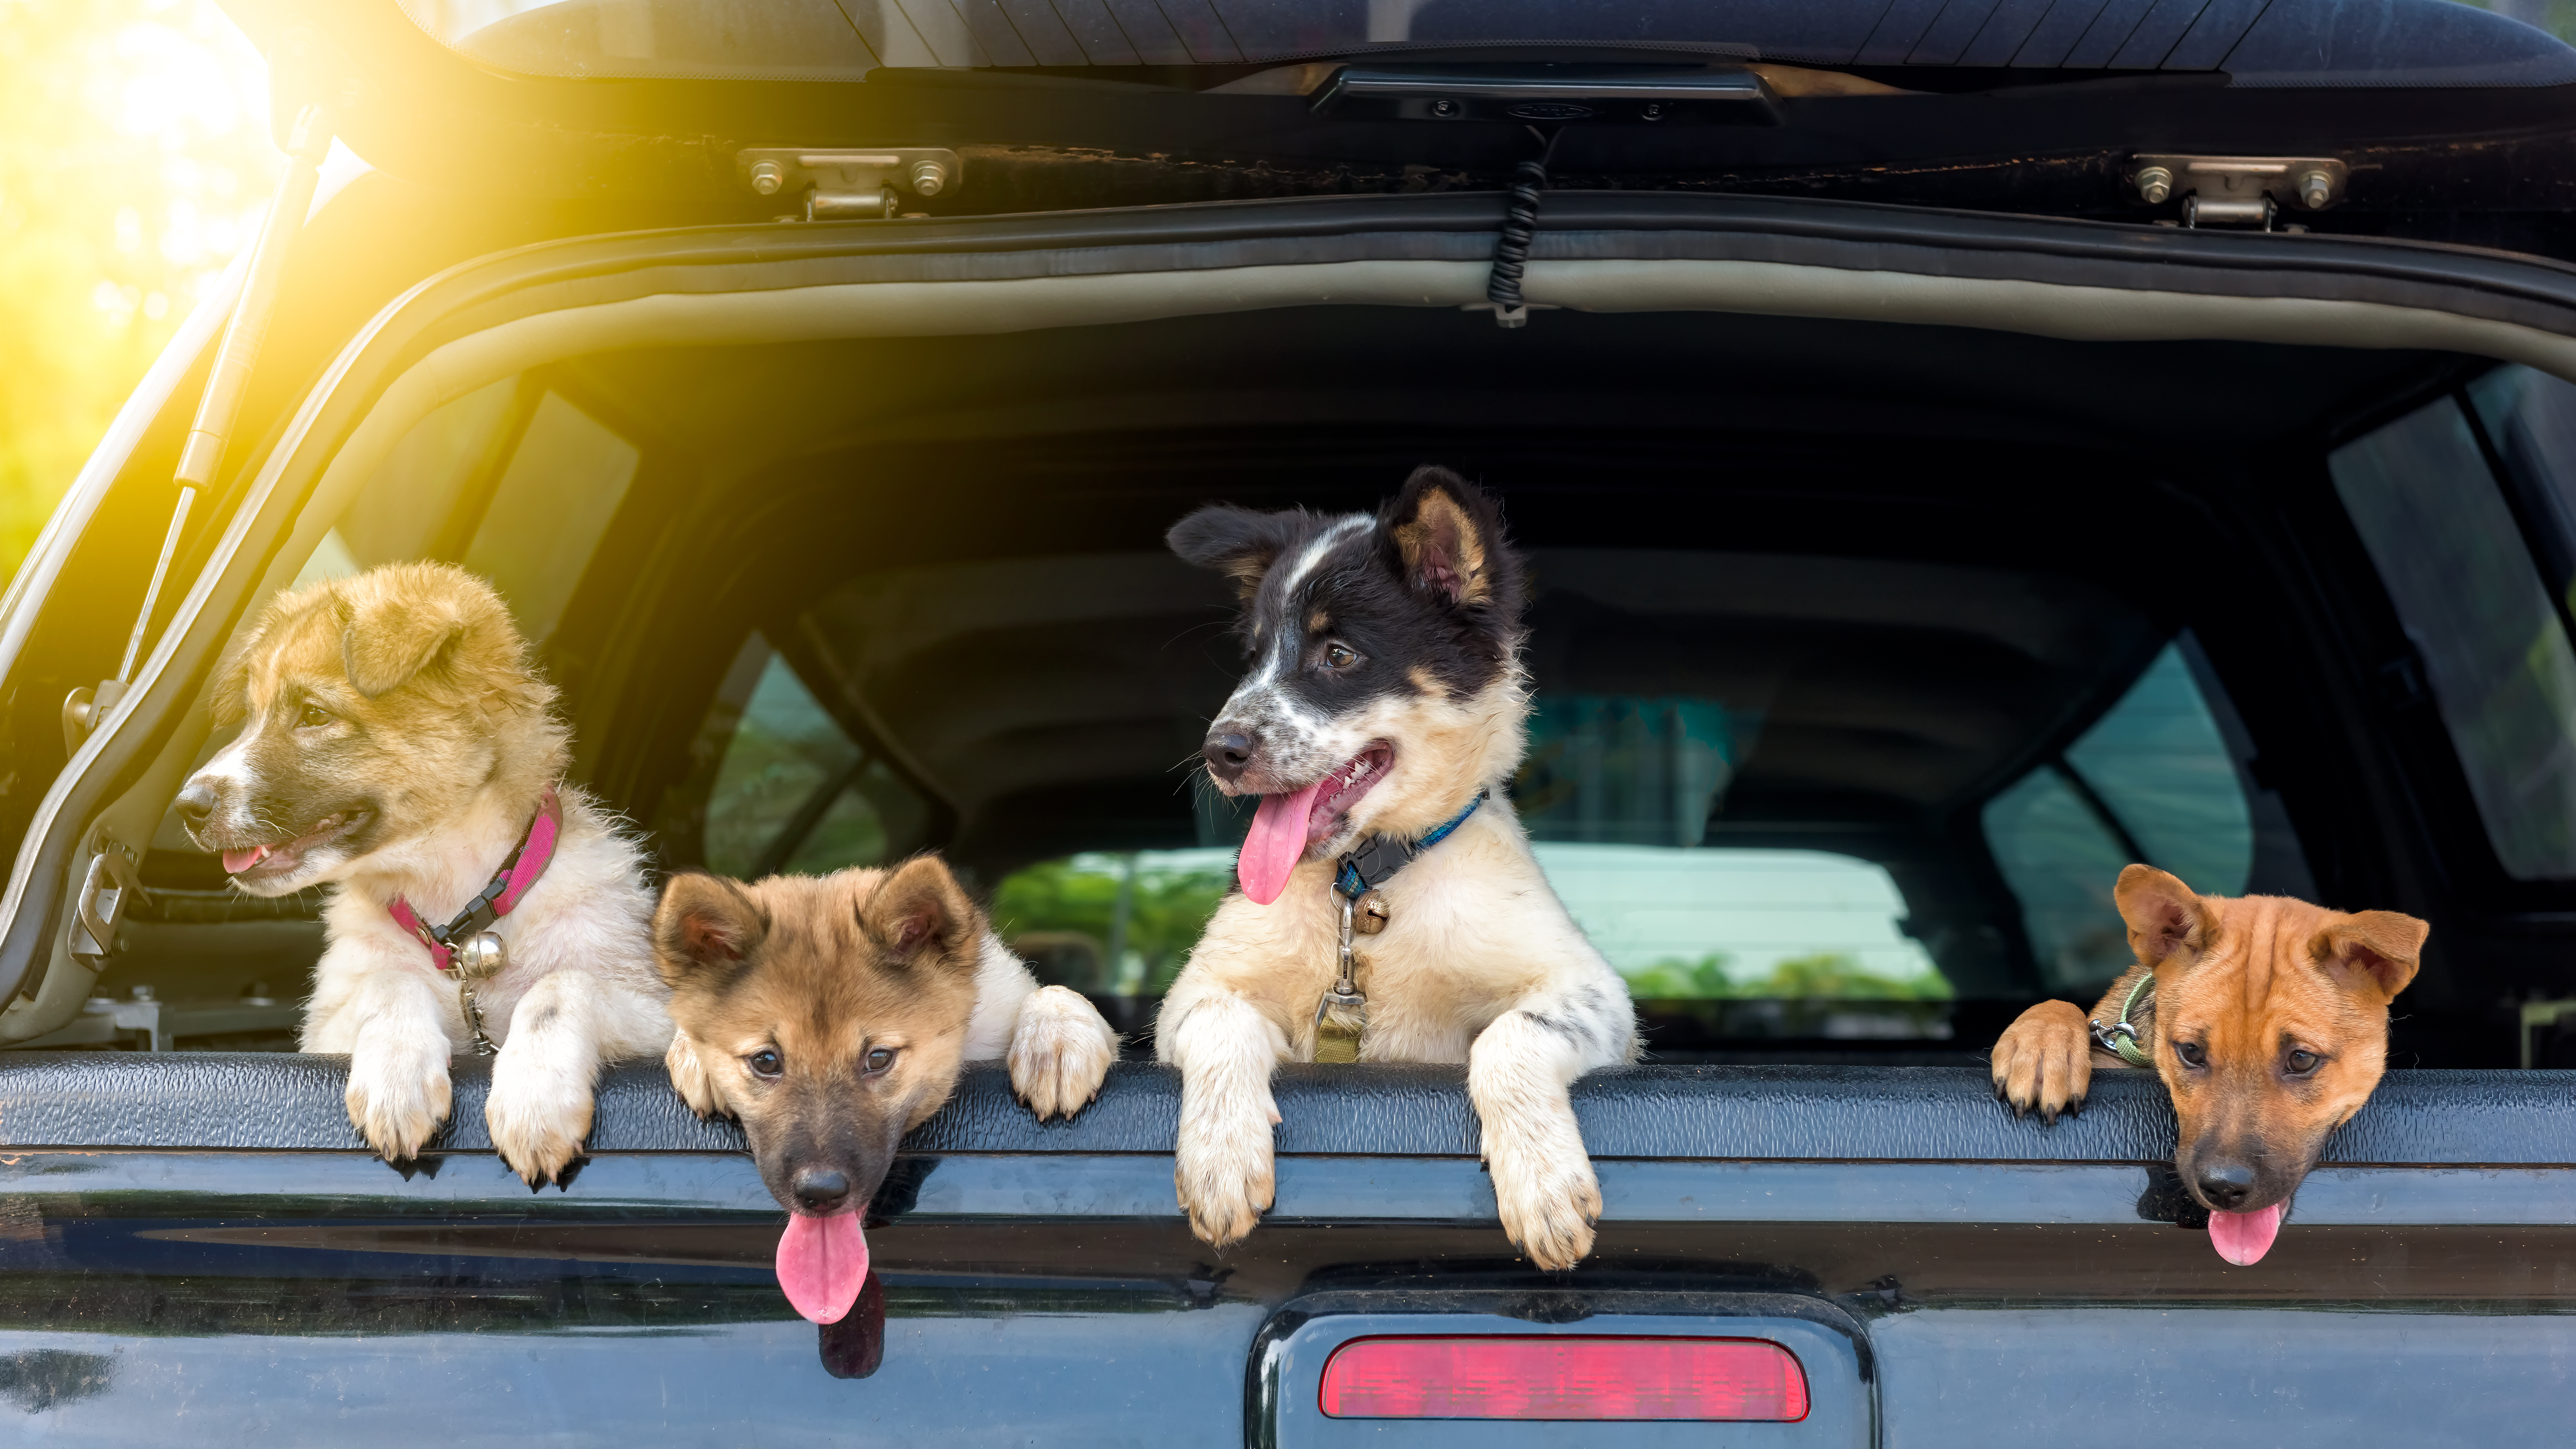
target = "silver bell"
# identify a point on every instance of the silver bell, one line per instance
(482, 956)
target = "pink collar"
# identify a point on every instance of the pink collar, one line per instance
(508, 887)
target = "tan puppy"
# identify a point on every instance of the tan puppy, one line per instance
(2267, 1020)
(395, 741)
(832, 1015)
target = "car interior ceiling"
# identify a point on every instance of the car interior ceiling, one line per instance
(1804, 590)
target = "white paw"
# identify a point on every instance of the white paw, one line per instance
(690, 1078)
(1547, 1193)
(540, 1108)
(1223, 1170)
(398, 1093)
(1060, 1052)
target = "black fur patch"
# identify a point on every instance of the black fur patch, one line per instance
(1311, 583)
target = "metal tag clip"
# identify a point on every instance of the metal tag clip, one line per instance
(1342, 1016)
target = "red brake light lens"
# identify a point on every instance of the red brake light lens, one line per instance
(1564, 1377)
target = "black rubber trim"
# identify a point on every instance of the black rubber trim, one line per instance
(1580, 226)
(188, 1100)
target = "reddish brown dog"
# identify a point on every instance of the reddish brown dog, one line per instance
(2267, 1020)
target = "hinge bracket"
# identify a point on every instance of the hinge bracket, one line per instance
(2250, 191)
(110, 887)
(850, 185)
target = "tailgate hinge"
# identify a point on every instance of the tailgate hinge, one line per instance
(850, 185)
(99, 908)
(2238, 190)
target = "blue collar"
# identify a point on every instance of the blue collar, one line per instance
(1372, 865)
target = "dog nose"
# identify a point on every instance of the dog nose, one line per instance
(2226, 1184)
(821, 1190)
(196, 804)
(1229, 751)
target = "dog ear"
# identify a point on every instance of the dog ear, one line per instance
(1448, 539)
(2164, 915)
(388, 637)
(704, 929)
(1240, 543)
(2372, 955)
(920, 915)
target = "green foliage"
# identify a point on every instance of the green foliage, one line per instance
(134, 160)
(1822, 976)
(1165, 916)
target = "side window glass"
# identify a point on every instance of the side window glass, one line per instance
(549, 511)
(778, 785)
(405, 507)
(2454, 562)
(2530, 417)
(2153, 780)
(515, 483)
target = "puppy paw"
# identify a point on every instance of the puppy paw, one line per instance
(691, 1079)
(1224, 1172)
(398, 1095)
(2045, 1061)
(1549, 1200)
(1060, 1052)
(539, 1111)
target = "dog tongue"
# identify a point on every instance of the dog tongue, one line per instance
(2243, 1238)
(822, 1263)
(1277, 840)
(237, 861)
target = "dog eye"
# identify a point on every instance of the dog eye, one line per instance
(1339, 656)
(313, 716)
(2303, 1062)
(766, 1062)
(879, 1060)
(2191, 1054)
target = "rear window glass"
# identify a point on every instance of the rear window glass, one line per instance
(2491, 642)
(1679, 924)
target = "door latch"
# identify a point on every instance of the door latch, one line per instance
(2239, 190)
(110, 887)
(851, 185)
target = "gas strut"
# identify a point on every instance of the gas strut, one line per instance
(226, 386)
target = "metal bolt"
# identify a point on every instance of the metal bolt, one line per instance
(143, 992)
(2155, 183)
(1445, 110)
(767, 177)
(1653, 111)
(2315, 189)
(929, 178)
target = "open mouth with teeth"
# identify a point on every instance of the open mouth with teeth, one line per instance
(252, 864)
(1287, 825)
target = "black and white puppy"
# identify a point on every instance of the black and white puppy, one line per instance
(1386, 698)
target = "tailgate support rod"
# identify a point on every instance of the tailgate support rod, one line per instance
(227, 385)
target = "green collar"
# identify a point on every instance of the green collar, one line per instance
(2121, 1037)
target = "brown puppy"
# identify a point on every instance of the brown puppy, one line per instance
(2267, 1020)
(832, 1015)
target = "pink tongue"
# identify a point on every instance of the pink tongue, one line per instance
(2243, 1238)
(1277, 840)
(822, 1263)
(237, 861)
